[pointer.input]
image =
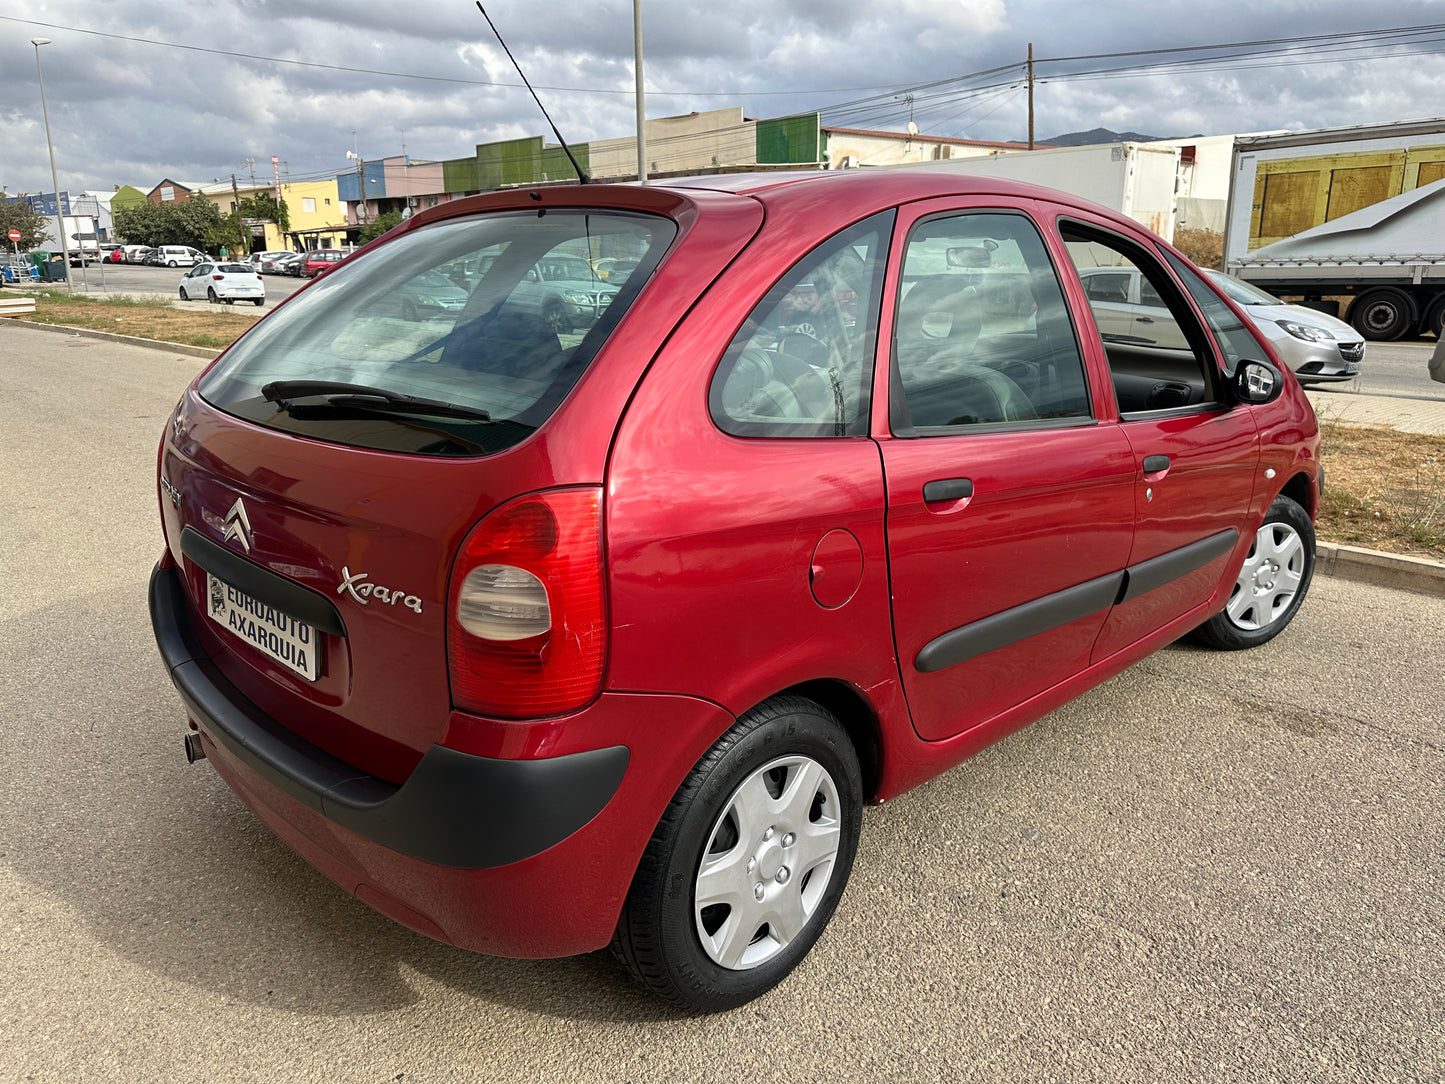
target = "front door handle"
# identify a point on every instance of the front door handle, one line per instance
(1155, 463)
(947, 489)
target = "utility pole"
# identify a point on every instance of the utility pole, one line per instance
(1031, 95)
(240, 225)
(641, 108)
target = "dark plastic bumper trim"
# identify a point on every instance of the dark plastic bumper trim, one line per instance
(456, 809)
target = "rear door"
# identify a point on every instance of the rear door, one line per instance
(1010, 484)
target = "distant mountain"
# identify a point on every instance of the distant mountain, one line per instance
(1098, 135)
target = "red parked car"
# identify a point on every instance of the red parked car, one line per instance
(538, 641)
(319, 260)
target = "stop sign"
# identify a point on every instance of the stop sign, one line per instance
(14, 235)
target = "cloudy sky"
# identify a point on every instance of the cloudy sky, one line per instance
(140, 90)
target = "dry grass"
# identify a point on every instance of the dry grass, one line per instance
(1204, 247)
(1384, 490)
(197, 325)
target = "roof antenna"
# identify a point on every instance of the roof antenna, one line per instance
(581, 174)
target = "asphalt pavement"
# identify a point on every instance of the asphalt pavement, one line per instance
(1211, 868)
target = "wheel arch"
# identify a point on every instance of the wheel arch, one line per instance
(1301, 489)
(860, 722)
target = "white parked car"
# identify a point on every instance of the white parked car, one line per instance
(1317, 347)
(180, 255)
(226, 282)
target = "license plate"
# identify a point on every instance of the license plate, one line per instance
(276, 635)
(1351, 367)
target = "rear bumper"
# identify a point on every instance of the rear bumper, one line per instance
(457, 810)
(528, 856)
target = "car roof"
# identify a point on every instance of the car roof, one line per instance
(896, 183)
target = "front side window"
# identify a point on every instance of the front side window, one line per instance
(982, 334)
(455, 314)
(802, 365)
(1159, 356)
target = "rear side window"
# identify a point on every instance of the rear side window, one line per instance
(802, 365)
(459, 314)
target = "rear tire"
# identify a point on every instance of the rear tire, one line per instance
(1272, 583)
(766, 826)
(259, 302)
(211, 295)
(1382, 315)
(1435, 317)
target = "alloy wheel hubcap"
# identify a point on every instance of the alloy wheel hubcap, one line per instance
(767, 862)
(1270, 578)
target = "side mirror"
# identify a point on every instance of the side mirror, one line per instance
(1256, 382)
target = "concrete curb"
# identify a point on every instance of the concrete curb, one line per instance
(207, 352)
(1417, 574)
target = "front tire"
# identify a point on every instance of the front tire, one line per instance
(183, 294)
(557, 318)
(1272, 583)
(748, 862)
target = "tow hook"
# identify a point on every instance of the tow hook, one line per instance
(194, 749)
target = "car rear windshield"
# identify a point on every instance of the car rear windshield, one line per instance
(235, 269)
(458, 315)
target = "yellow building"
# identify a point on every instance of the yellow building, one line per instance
(317, 215)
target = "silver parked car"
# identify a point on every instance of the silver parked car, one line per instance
(1318, 347)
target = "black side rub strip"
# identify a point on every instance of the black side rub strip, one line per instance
(290, 598)
(1157, 571)
(1019, 623)
(456, 809)
(1070, 604)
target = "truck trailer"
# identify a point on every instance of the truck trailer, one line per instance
(1352, 216)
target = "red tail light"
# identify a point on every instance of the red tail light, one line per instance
(218, 278)
(526, 620)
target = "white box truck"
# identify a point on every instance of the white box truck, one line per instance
(1136, 179)
(81, 237)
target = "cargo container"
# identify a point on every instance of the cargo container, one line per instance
(1345, 213)
(1139, 180)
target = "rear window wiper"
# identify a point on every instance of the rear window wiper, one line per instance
(366, 397)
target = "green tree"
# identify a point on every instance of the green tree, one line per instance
(379, 225)
(16, 214)
(191, 222)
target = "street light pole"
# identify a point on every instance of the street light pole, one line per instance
(641, 107)
(54, 179)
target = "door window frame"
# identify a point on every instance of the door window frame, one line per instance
(1196, 328)
(898, 421)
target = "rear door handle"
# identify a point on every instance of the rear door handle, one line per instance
(1155, 463)
(947, 489)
